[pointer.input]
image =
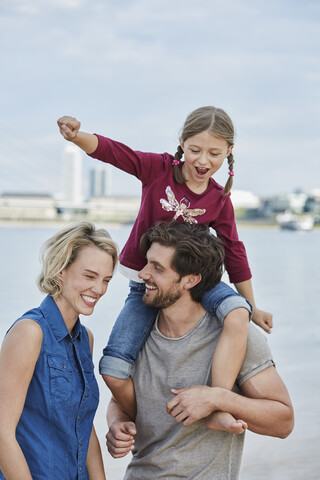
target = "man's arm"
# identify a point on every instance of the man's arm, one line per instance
(120, 437)
(266, 408)
(267, 404)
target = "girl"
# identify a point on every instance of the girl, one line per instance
(178, 187)
(48, 391)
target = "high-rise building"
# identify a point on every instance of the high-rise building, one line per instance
(72, 181)
(100, 181)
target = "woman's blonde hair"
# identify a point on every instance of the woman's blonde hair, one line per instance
(218, 123)
(62, 249)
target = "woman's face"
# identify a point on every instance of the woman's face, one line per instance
(84, 282)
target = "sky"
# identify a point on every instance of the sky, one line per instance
(132, 70)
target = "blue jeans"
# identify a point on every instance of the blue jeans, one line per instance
(136, 320)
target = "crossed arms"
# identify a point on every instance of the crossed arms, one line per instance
(264, 404)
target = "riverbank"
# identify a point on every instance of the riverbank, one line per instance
(283, 263)
(55, 223)
(21, 223)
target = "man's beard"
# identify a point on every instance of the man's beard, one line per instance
(161, 301)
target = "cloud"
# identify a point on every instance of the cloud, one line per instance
(133, 70)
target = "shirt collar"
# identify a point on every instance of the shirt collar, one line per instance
(54, 318)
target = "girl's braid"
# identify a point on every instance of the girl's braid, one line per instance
(179, 153)
(177, 172)
(229, 183)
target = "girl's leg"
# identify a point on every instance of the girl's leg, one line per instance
(128, 336)
(221, 299)
(233, 311)
(227, 360)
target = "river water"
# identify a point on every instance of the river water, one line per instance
(286, 279)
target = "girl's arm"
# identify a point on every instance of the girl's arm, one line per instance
(236, 262)
(69, 129)
(19, 353)
(260, 318)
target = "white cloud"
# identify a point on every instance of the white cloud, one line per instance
(134, 69)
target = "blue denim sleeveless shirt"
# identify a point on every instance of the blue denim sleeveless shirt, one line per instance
(56, 422)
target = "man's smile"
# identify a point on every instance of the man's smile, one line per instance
(151, 287)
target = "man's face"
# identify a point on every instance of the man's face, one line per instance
(163, 284)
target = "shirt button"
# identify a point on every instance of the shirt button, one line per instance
(85, 394)
(80, 443)
(80, 469)
(78, 418)
(64, 366)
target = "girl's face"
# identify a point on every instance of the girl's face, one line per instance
(203, 154)
(84, 282)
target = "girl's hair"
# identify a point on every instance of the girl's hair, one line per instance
(216, 122)
(62, 249)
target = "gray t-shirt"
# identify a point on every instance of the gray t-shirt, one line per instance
(165, 449)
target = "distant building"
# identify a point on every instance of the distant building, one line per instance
(293, 202)
(72, 182)
(113, 209)
(312, 204)
(100, 181)
(244, 199)
(17, 206)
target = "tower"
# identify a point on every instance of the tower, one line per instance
(72, 174)
(100, 181)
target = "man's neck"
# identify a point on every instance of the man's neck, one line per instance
(180, 318)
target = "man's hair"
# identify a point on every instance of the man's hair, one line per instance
(63, 248)
(197, 251)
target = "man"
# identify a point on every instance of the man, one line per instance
(172, 372)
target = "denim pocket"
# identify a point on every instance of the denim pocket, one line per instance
(60, 377)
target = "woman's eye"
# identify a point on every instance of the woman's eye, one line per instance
(89, 276)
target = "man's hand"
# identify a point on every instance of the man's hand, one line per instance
(120, 438)
(69, 127)
(192, 403)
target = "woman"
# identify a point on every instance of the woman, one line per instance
(48, 391)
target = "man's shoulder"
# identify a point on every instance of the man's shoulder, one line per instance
(258, 356)
(257, 340)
